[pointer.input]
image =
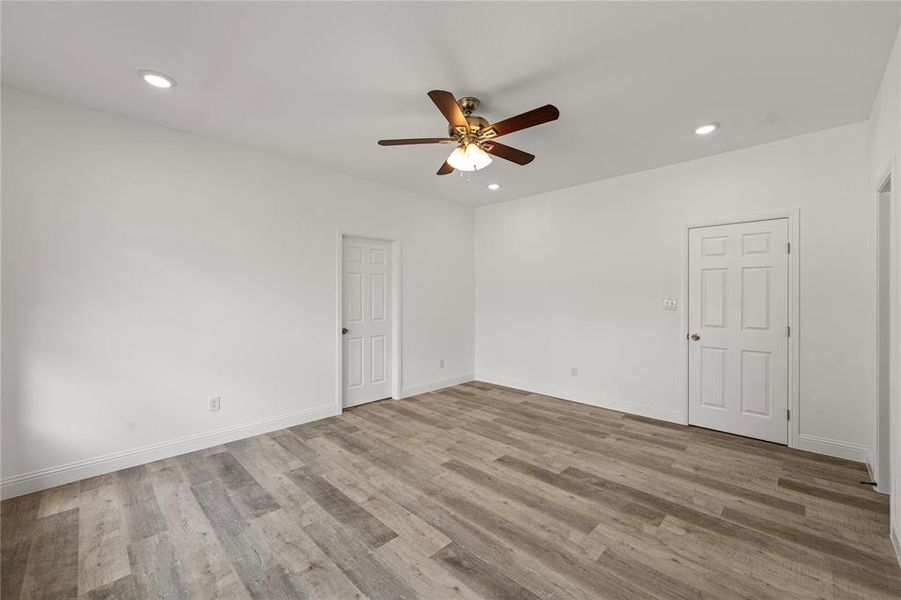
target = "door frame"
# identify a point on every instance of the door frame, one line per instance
(879, 472)
(793, 215)
(396, 243)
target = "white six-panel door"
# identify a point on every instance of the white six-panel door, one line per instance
(366, 312)
(738, 327)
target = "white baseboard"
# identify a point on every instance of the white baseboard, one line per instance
(42, 479)
(644, 410)
(881, 487)
(834, 448)
(431, 386)
(896, 544)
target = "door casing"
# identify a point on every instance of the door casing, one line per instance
(794, 385)
(885, 199)
(396, 354)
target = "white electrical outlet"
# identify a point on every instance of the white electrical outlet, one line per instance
(215, 402)
(440, 363)
(573, 372)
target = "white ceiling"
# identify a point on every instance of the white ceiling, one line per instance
(321, 82)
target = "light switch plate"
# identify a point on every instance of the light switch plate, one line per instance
(669, 303)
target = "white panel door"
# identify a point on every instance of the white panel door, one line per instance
(366, 310)
(738, 326)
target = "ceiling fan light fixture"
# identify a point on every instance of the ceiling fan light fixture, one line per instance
(474, 137)
(457, 160)
(470, 158)
(480, 159)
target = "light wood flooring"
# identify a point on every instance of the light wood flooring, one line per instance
(471, 492)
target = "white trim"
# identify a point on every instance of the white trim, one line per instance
(836, 448)
(871, 470)
(431, 386)
(91, 467)
(793, 215)
(397, 249)
(882, 474)
(635, 408)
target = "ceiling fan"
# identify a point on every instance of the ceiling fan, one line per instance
(472, 135)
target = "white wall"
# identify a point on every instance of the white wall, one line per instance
(884, 148)
(145, 270)
(576, 278)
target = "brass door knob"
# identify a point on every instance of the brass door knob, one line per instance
(695, 337)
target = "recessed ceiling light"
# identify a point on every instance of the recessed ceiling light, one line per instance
(157, 79)
(494, 186)
(707, 128)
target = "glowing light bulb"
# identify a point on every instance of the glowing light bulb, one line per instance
(480, 159)
(470, 158)
(457, 160)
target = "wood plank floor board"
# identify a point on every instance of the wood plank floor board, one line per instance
(473, 491)
(465, 494)
(506, 560)
(423, 574)
(372, 532)
(124, 588)
(249, 495)
(18, 519)
(248, 556)
(872, 504)
(312, 572)
(732, 529)
(205, 569)
(59, 499)
(102, 537)
(52, 567)
(480, 575)
(561, 560)
(358, 563)
(663, 484)
(622, 505)
(695, 567)
(407, 492)
(647, 578)
(577, 520)
(155, 568)
(414, 533)
(730, 560)
(142, 518)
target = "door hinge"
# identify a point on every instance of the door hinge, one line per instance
(789, 328)
(788, 248)
(788, 414)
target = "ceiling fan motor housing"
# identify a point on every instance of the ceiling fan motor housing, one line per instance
(475, 123)
(469, 104)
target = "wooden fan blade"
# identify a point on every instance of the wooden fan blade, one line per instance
(448, 106)
(407, 142)
(546, 113)
(445, 169)
(507, 153)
